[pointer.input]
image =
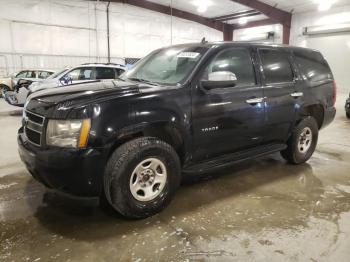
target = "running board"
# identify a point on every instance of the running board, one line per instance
(230, 159)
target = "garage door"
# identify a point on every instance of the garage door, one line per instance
(336, 49)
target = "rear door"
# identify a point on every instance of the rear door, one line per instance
(105, 73)
(227, 120)
(281, 96)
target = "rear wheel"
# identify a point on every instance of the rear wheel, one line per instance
(303, 141)
(141, 177)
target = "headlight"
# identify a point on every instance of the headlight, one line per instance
(68, 133)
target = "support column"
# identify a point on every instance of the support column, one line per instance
(228, 32)
(286, 34)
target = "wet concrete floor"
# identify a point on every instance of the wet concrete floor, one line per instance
(260, 210)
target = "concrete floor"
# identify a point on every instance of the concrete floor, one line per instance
(261, 210)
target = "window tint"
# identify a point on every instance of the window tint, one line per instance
(234, 60)
(313, 66)
(105, 73)
(276, 66)
(119, 71)
(84, 73)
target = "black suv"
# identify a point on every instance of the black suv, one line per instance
(183, 109)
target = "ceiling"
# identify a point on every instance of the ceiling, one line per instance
(217, 8)
(299, 6)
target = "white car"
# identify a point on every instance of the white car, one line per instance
(67, 76)
(30, 75)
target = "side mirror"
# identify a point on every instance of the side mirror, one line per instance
(66, 80)
(222, 79)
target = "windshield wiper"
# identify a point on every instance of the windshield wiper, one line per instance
(143, 81)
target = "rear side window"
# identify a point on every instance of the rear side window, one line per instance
(276, 66)
(44, 74)
(105, 73)
(313, 66)
(234, 60)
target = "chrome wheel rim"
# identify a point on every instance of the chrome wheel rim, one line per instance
(305, 140)
(148, 179)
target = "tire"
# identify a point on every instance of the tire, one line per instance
(298, 153)
(3, 88)
(348, 115)
(122, 177)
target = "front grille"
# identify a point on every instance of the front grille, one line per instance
(33, 127)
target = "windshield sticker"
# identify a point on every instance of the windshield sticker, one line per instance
(188, 55)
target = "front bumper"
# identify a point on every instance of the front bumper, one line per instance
(11, 98)
(347, 106)
(75, 172)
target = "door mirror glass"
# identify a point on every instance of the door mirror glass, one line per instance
(66, 80)
(220, 79)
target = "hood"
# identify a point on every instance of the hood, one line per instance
(85, 93)
(44, 84)
(5, 80)
(58, 102)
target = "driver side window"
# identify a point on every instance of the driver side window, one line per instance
(234, 60)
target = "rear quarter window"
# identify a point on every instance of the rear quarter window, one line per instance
(313, 66)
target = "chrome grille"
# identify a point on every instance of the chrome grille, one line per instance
(33, 127)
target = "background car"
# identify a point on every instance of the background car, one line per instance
(32, 75)
(347, 107)
(67, 76)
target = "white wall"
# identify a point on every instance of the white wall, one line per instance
(254, 33)
(335, 47)
(56, 33)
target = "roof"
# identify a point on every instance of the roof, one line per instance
(103, 65)
(36, 69)
(241, 43)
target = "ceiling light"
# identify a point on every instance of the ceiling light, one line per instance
(324, 5)
(202, 9)
(202, 5)
(242, 21)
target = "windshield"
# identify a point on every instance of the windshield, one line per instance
(170, 66)
(57, 73)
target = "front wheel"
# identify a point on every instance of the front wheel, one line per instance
(3, 88)
(141, 177)
(302, 143)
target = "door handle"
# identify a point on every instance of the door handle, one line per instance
(297, 94)
(255, 101)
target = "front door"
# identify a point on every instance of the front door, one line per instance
(229, 119)
(78, 75)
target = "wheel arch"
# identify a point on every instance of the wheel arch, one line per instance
(165, 131)
(315, 110)
(6, 86)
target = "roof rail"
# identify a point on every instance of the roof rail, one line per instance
(103, 64)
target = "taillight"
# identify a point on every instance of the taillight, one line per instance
(334, 92)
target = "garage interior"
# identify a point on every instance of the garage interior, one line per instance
(257, 210)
